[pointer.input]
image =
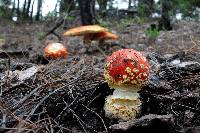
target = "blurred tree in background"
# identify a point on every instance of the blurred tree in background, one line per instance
(188, 7)
(164, 21)
(167, 10)
(5, 11)
(146, 8)
(102, 7)
(67, 5)
(39, 8)
(87, 11)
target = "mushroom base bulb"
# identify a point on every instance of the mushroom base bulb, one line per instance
(122, 105)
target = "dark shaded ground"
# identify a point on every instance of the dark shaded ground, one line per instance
(67, 95)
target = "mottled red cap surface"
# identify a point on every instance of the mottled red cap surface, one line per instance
(55, 50)
(126, 69)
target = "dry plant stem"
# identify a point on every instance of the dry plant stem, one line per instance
(9, 58)
(50, 124)
(50, 120)
(94, 98)
(106, 130)
(16, 130)
(185, 78)
(67, 106)
(27, 97)
(195, 44)
(60, 126)
(173, 109)
(81, 122)
(8, 112)
(100, 50)
(42, 100)
(9, 64)
(3, 120)
(47, 96)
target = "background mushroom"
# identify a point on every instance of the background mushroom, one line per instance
(102, 36)
(55, 50)
(127, 72)
(91, 32)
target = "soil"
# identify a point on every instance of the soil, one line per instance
(68, 95)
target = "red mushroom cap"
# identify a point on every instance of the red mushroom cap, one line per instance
(55, 50)
(126, 69)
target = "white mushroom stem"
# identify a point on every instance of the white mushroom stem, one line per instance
(125, 94)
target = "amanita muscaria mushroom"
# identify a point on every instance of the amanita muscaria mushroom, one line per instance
(91, 32)
(55, 50)
(127, 72)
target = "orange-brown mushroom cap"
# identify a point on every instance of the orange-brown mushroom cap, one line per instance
(55, 50)
(106, 35)
(83, 30)
(101, 36)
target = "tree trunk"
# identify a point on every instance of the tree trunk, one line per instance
(13, 10)
(18, 10)
(31, 16)
(102, 6)
(146, 7)
(39, 8)
(67, 6)
(134, 3)
(55, 9)
(24, 10)
(28, 8)
(87, 11)
(164, 22)
(129, 4)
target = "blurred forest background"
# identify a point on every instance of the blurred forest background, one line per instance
(164, 26)
(99, 10)
(136, 21)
